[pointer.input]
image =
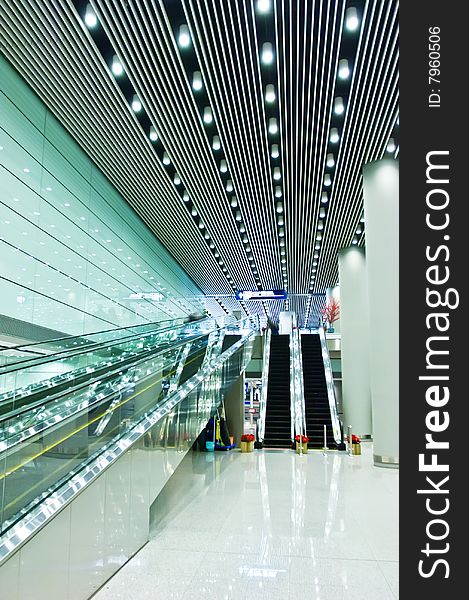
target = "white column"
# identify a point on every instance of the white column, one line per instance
(381, 197)
(355, 341)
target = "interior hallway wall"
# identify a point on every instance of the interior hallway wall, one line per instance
(73, 254)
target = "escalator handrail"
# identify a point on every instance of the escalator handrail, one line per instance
(21, 531)
(119, 367)
(83, 335)
(99, 377)
(265, 384)
(330, 387)
(74, 352)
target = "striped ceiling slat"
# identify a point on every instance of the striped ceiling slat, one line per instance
(233, 181)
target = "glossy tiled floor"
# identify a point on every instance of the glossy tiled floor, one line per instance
(271, 525)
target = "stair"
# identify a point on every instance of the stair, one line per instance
(278, 419)
(317, 408)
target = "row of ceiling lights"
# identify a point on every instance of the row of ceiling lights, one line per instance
(117, 69)
(271, 111)
(351, 25)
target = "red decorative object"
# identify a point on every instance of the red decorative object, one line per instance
(304, 439)
(247, 437)
(331, 311)
(355, 439)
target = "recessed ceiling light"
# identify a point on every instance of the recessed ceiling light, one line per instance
(267, 55)
(238, 216)
(116, 66)
(339, 105)
(277, 173)
(344, 70)
(354, 241)
(320, 225)
(351, 19)
(153, 134)
(334, 136)
(273, 127)
(136, 104)
(330, 162)
(166, 159)
(229, 185)
(223, 166)
(26, 170)
(270, 93)
(208, 117)
(184, 38)
(216, 145)
(263, 6)
(197, 83)
(194, 211)
(278, 191)
(327, 180)
(177, 179)
(391, 147)
(324, 197)
(322, 212)
(275, 151)
(91, 20)
(279, 207)
(48, 189)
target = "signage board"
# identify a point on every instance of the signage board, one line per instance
(261, 295)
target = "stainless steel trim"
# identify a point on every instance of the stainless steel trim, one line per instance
(265, 383)
(330, 387)
(16, 537)
(297, 396)
(386, 461)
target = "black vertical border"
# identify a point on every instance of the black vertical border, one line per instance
(424, 129)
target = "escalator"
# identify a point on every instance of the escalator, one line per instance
(317, 408)
(153, 390)
(278, 415)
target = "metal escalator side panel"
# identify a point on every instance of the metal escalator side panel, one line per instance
(37, 514)
(265, 383)
(330, 387)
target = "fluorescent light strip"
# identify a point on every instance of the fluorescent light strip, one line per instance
(183, 148)
(372, 57)
(237, 127)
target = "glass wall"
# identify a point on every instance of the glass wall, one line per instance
(74, 256)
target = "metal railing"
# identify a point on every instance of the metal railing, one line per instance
(35, 517)
(297, 396)
(265, 383)
(330, 388)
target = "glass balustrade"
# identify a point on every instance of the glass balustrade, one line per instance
(48, 437)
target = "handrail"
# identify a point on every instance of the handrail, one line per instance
(83, 335)
(330, 387)
(115, 369)
(265, 383)
(79, 350)
(37, 517)
(297, 396)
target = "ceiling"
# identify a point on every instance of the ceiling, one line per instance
(247, 170)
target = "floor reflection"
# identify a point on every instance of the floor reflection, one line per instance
(269, 525)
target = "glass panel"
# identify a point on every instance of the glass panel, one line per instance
(49, 437)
